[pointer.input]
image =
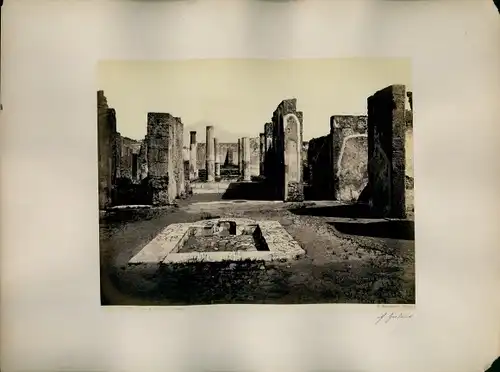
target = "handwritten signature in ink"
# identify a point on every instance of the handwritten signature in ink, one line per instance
(387, 317)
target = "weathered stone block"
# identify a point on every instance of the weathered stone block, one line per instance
(163, 157)
(254, 165)
(349, 155)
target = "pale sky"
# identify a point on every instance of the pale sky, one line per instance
(239, 96)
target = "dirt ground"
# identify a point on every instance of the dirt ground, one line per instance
(350, 258)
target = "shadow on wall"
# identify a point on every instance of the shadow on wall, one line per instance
(403, 230)
(346, 211)
(127, 192)
(247, 191)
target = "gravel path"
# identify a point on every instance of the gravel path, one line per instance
(345, 260)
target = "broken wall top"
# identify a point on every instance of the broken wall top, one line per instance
(354, 123)
(318, 141)
(268, 129)
(287, 106)
(396, 89)
(102, 101)
(159, 123)
(390, 99)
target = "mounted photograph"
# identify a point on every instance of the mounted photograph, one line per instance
(256, 181)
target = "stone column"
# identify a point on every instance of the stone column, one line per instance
(262, 152)
(217, 158)
(240, 157)
(210, 154)
(245, 144)
(193, 169)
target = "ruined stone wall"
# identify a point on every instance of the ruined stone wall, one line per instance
(228, 154)
(277, 174)
(254, 156)
(143, 160)
(201, 149)
(409, 153)
(349, 156)
(161, 149)
(286, 171)
(118, 154)
(178, 158)
(305, 163)
(386, 149)
(186, 168)
(319, 158)
(269, 159)
(106, 131)
(129, 159)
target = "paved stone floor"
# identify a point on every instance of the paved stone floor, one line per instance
(350, 257)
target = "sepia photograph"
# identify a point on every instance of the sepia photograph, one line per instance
(256, 181)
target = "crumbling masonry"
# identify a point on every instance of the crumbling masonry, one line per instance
(165, 159)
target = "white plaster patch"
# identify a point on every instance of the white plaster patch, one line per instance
(342, 150)
(164, 247)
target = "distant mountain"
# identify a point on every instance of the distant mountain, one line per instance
(223, 136)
